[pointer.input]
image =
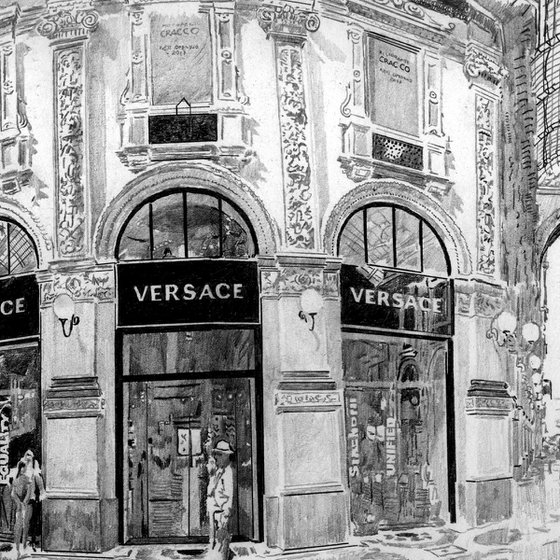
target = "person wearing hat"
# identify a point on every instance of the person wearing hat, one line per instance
(220, 500)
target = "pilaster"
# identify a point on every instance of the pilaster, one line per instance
(68, 24)
(78, 384)
(303, 416)
(288, 25)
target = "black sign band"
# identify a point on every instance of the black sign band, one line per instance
(188, 292)
(19, 307)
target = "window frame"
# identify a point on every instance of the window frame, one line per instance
(31, 241)
(185, 191)
(422, 224)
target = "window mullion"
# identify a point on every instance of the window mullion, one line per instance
(185, 225)
(394, 224)
(151, 224)
(366, 252)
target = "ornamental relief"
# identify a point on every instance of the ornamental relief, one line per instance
(485, 163)
(481, 64)
(300, 230)
(82, 287)
(71, 220)
(294, 280)
(69, 20)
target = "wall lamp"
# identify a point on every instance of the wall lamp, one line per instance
(503, 332)
(311, 303)
(64, 307)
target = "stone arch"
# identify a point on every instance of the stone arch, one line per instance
(193, 175)
(14, 210)
(390, 191)
(547, 232)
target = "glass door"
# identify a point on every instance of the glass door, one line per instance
(395, 400)
(171, 424)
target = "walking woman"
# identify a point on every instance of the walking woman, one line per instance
(22, 490)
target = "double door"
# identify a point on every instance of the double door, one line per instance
(171, 427)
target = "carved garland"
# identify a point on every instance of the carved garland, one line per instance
(70, 136)
(300, 231)
(82, 286)
(485, 161)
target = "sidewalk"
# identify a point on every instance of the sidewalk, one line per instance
(533, 533)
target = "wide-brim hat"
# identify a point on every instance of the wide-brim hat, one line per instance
(223, 447)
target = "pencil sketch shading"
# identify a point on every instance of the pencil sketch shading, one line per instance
(279, 278)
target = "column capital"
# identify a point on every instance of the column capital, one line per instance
(288, 21)
(68, 19)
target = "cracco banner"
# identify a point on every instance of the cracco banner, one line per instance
(19, 307)
(188, 292)
(375, 297)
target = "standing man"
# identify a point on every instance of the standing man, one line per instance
(220, 500)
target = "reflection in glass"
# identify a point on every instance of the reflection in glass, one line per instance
(351, 243)
(189, 351)
(434, 257)
(236, 240)
(203, 225)
(20, 409)
(408, 240)
(168, 229)
(380, 236)
(135, 241)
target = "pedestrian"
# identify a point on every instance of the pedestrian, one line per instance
(22, 489)
(220, 500)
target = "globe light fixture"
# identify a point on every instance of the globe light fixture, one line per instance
(63, 308)
(311, 303)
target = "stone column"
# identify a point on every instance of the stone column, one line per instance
(306, 499)
(80, 513)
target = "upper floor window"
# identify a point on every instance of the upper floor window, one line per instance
(186, 224)
(393, 85)
(17, 251)
(392, 237)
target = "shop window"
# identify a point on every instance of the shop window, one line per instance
(186, 225)
(387, 236)
(17, 252)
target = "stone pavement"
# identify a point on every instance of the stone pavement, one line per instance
(533, 533)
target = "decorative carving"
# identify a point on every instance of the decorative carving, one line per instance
(478, 298)
(74, 396)
(479, 63)
(294, 280)
(331, 285)
(82, 286)
(488, 406)
(286, 20)
(486, 210)
(71, 219)
(313, 399)
(70, 20)
(463, 303)
(73, 405)
(344, 109)
(300, 229)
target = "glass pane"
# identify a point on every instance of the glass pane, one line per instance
(434, 257)
(203, 225)
(237, 240)
(380, 236)
(168, 230)
(171, 428)
(20, 409)
(364, 359)
(188, 351)
(351, 242)
(135, 241)
(4, 248)
(22, 252)
(408, 240)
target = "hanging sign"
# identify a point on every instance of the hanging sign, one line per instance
(395, 300)
(19, 307)
(188, 292)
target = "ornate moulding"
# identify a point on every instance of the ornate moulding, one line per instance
(480, 299)
(483, 63)
(69, 397)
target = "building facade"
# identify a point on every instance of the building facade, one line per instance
(304, 228)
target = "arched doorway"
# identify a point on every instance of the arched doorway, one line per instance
(188, 346)
(397, 323)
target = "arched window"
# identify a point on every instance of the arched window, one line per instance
(186, 224)
(17, 250)
(392, 237)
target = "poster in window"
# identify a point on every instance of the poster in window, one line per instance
(181, 59)
(393, 75)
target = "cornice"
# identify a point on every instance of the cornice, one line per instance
(287, 21)
(8, 18)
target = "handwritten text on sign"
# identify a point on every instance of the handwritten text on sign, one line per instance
(307, 399)
(5, 419)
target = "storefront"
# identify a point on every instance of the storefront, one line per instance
(396, 347)
(189, 369)
(20, 386)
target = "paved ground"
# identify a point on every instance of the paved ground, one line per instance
(532, 534)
